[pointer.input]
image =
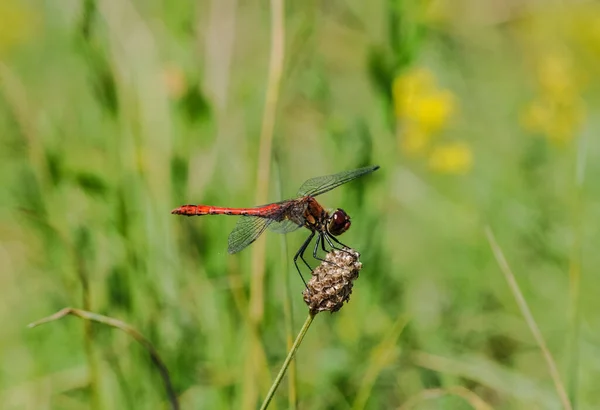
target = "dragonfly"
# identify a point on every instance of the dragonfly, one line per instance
(289, 215)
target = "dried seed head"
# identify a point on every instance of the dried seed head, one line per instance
(331, 283)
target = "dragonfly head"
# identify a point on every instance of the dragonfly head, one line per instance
(339, 222)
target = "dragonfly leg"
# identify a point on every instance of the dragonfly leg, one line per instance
(300, 254)
(329, 238)
(323, 245)
(321, 241)
(302, 249)
(316, 248)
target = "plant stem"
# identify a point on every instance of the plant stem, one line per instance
(288, 313)
(256, 308)
(287, 361)
(276, 62)
(575, 266)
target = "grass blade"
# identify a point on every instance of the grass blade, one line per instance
(131, 331)
(524, 308)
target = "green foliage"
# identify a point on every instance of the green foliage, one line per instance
(113, 113)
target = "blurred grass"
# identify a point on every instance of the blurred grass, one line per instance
(114, 112)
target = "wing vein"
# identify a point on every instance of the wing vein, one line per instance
(319, 185)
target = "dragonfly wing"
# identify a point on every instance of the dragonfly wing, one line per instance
(284, 226)
(320, 185)
(246, 231)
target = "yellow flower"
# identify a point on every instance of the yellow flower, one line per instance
(16, 24)
(558, 111)
(414, 141)
(432, 111)
(556, 119)
(436, 12)
(423, 109)
(408, 87)
(556, 76)
(418, 100)
(451, 158)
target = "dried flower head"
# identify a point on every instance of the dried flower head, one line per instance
(331, 283)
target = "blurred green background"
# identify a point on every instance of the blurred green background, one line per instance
(113, 112)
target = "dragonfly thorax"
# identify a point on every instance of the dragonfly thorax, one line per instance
(316, 218)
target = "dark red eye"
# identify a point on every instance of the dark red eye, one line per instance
(339, 222)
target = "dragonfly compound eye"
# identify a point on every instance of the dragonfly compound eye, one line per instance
(339, 223)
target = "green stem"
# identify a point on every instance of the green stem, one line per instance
(287, 305)
(575, 266)
(287, 361)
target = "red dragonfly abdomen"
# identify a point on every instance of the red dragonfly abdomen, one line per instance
(199, 210)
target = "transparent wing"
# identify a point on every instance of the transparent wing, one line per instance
(249, 227)
(319, 185)
(246, 231)
(284, 226)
